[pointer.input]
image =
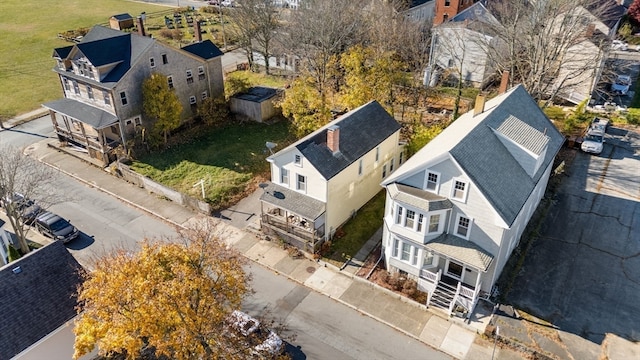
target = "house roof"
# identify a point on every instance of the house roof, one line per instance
(419, 198)
(361, 130)
(462, 250)
(104, 46)
(38, 298)
(62, 52)
(204, 49)
(257, 94)
(121, 17)
(474, 145)
(607, 11)
(293, 201)
(97, 118)
(476, 13)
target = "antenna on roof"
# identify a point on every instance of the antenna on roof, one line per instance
(270, 146)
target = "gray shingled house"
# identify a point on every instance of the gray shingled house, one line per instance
(320, 181)
(101, 79)
(38, 301)
(456, 209)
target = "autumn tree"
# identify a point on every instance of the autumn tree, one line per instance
(161, 104)
(255, 23)
(302, 103)
(318, 32)
(369, 76)
(634, 11)
(172, 297)
(214, 111)
(21, 174)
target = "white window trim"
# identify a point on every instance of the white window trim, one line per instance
(282, 182)
(455, 229)
(466, 189)
(426, 181)
(297, 160)
(192, 100)
(152, 62)
(306, 185)
(397, 246)
(137, 121)
(428, 223)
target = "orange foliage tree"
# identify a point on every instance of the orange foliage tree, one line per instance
(170, 297)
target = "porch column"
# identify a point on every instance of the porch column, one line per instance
(478, 281)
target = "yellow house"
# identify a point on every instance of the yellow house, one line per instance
(322, 180)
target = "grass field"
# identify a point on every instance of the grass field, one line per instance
(225, 158)
(28, 35)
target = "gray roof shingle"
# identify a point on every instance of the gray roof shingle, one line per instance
(419, 198)
(361, 130)
(489, 164)
(293, 201)
(80, 111)
(204, 49)
(38, 299)
(462, 250)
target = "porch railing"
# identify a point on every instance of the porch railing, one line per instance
(304, 238)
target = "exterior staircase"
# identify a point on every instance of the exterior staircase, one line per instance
(442, 296)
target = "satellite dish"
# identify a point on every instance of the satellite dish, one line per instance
(270, 145)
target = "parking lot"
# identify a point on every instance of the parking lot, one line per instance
(582, 273)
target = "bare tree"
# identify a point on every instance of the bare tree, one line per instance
(22, 175)
(256, 21)
(319, 31)
(552, 46)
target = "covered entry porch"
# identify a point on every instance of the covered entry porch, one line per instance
(452, 274)
(293, 217)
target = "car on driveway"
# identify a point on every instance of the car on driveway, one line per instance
(55, 227)
(619, 45)
(593, 141)
(621, 85)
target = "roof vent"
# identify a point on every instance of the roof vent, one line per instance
(17, 270)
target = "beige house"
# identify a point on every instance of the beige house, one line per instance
(322, 180)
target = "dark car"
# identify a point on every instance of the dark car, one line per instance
(27, 208)
(55, 227)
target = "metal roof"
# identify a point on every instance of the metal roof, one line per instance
(293, 201)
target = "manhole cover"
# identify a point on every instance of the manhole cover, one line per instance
(311, 269)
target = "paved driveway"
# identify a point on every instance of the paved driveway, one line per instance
(583, 273)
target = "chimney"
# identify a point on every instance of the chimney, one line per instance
(140, 25)
(479, 107)
(590, 29)
(333, 138)
(504, 82)
(196, 30)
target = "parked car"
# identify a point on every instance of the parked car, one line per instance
(619, 45)
(27, 208)
(593, 141)
(264, 342)
(621, 85)
(55, 227)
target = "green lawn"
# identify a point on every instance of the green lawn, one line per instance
(226, 158)
(355, 233)
(28, 35)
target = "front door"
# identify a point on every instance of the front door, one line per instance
(454, 270)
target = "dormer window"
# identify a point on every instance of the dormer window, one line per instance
(459, 190)
(432, 182)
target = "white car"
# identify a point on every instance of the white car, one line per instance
(593, 141)
(621, 85)
(619, 45)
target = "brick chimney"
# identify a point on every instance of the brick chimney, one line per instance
(196, 30)
(504, 82)
(333, 138)
(590, 29)
(140, 25)
(479, 107)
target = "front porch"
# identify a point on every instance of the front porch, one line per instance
(449, 294)
(293, 217)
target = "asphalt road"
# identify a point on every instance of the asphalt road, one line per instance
(316, 326)
(583, 272)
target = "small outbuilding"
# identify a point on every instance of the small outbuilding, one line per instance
(257, 103)
(121, 21)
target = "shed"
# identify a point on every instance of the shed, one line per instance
(257, 103)
(121, 21)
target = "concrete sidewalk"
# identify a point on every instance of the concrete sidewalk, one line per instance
(239, 223)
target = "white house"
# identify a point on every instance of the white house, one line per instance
(322, 180)
(455, 210)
